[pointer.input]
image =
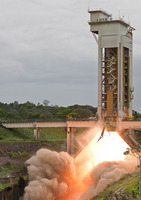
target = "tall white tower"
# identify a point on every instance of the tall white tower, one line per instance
(114, 39)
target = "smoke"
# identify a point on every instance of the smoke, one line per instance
(51, 175)
(107, 173)
(58, 176)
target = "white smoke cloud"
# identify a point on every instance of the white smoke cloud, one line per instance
(107, 173)
(52, 176)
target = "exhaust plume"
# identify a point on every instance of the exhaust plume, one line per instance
(58, 176)
(107, 173)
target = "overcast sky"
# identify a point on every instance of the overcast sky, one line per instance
(48, 52)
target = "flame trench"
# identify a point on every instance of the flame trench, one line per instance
(58, 176)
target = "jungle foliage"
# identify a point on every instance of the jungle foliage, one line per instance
(29, 111)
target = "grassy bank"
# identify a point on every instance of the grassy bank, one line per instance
(129, 183)
(26, 134)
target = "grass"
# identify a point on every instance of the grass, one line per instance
(129, 183)
(18, 154)
(26, 134)
(48, 134)
(133, 186)
(9, 168)
(4, 185)
(15, 134)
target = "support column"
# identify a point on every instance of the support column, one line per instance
(72, 130)
(99, 109)
(68, 140)
(35, 133)
(39, 133)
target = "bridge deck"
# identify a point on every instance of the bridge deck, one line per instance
(128, 125)
(120, 124)
(49, 124)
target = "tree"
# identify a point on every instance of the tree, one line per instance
(72, 115)
(136, 114)
(46, 102)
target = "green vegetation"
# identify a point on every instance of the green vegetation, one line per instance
(18, 154)
(9, 169)
(118, 196)
(128, 184)
(15, 134)
(26, 134)
(29, 111)
(136, 114)
(4, 185)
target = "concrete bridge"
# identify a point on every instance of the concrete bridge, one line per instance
(71, 126)
(37, 126)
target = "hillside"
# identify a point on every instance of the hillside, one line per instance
(26, 134)
(128, 184)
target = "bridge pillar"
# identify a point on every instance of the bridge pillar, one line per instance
(68, 140)
(39, 133)
(35, 133)
(72, 130)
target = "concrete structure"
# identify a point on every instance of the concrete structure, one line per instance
(69, 125)
(49, 124)
(122, 127)
(114, 39)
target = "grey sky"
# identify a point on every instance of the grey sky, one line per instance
(48, 52)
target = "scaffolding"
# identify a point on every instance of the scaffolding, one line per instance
(126, 80)
(109, 81)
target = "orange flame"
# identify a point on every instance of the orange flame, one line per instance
(109, 148)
